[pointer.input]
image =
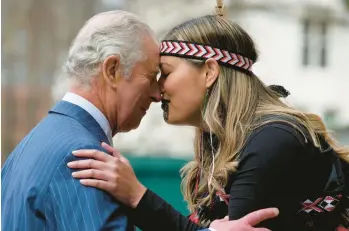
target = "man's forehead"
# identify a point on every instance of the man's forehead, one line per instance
(155, 70)
(154, 63)
(151, 66)
(153, 55)
(151, 62)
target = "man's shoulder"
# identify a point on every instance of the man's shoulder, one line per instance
(55, 129)
(52, 141)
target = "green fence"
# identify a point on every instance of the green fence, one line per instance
(161, 175)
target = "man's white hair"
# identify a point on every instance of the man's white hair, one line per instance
(109, 33)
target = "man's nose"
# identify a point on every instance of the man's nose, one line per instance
(161, 83)
(155, 93)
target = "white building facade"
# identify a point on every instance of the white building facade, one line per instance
(303, 45)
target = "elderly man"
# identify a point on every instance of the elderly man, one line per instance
(112, 65)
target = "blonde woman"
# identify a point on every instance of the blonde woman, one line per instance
(252, 150)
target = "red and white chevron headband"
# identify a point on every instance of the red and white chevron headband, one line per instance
(200, 51)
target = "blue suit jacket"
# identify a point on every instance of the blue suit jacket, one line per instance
(38, 191)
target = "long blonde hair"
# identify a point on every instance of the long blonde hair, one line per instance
(235, 106)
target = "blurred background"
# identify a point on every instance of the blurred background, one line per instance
(303, 45)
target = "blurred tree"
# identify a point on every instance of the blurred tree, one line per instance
(347, 3)
(331, 118)
(35, 37)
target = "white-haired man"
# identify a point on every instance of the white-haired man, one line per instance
(112, 64)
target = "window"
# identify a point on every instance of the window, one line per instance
(314, 43)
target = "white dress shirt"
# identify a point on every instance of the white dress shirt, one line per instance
(93, 111)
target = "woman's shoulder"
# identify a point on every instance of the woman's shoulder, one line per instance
(276, 146)
(275, 136)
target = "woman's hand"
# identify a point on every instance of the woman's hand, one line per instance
(112, 173)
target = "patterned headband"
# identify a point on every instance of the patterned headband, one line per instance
(202, 52)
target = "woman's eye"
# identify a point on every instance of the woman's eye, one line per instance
(163, 76)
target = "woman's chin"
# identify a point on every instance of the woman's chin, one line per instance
(172, 120)
(167, 118)
(168, 121)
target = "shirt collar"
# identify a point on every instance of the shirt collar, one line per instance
(92, 110)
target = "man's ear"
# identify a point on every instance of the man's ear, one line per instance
(212, 72)
(111, 70)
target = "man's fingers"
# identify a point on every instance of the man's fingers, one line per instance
(257, 217)
(111, 150)
(261, 229)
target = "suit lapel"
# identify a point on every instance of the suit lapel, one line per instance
(82, 116)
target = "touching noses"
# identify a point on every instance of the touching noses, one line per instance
(155, 93)
(161, 83)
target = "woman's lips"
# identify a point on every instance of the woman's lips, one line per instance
(165, 106)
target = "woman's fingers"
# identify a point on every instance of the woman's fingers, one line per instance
(92, 153)
(107, 147)
(87, 164)
(90, 173)
(101, 184)
(111, 150)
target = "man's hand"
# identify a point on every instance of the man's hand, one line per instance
(246, 223)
